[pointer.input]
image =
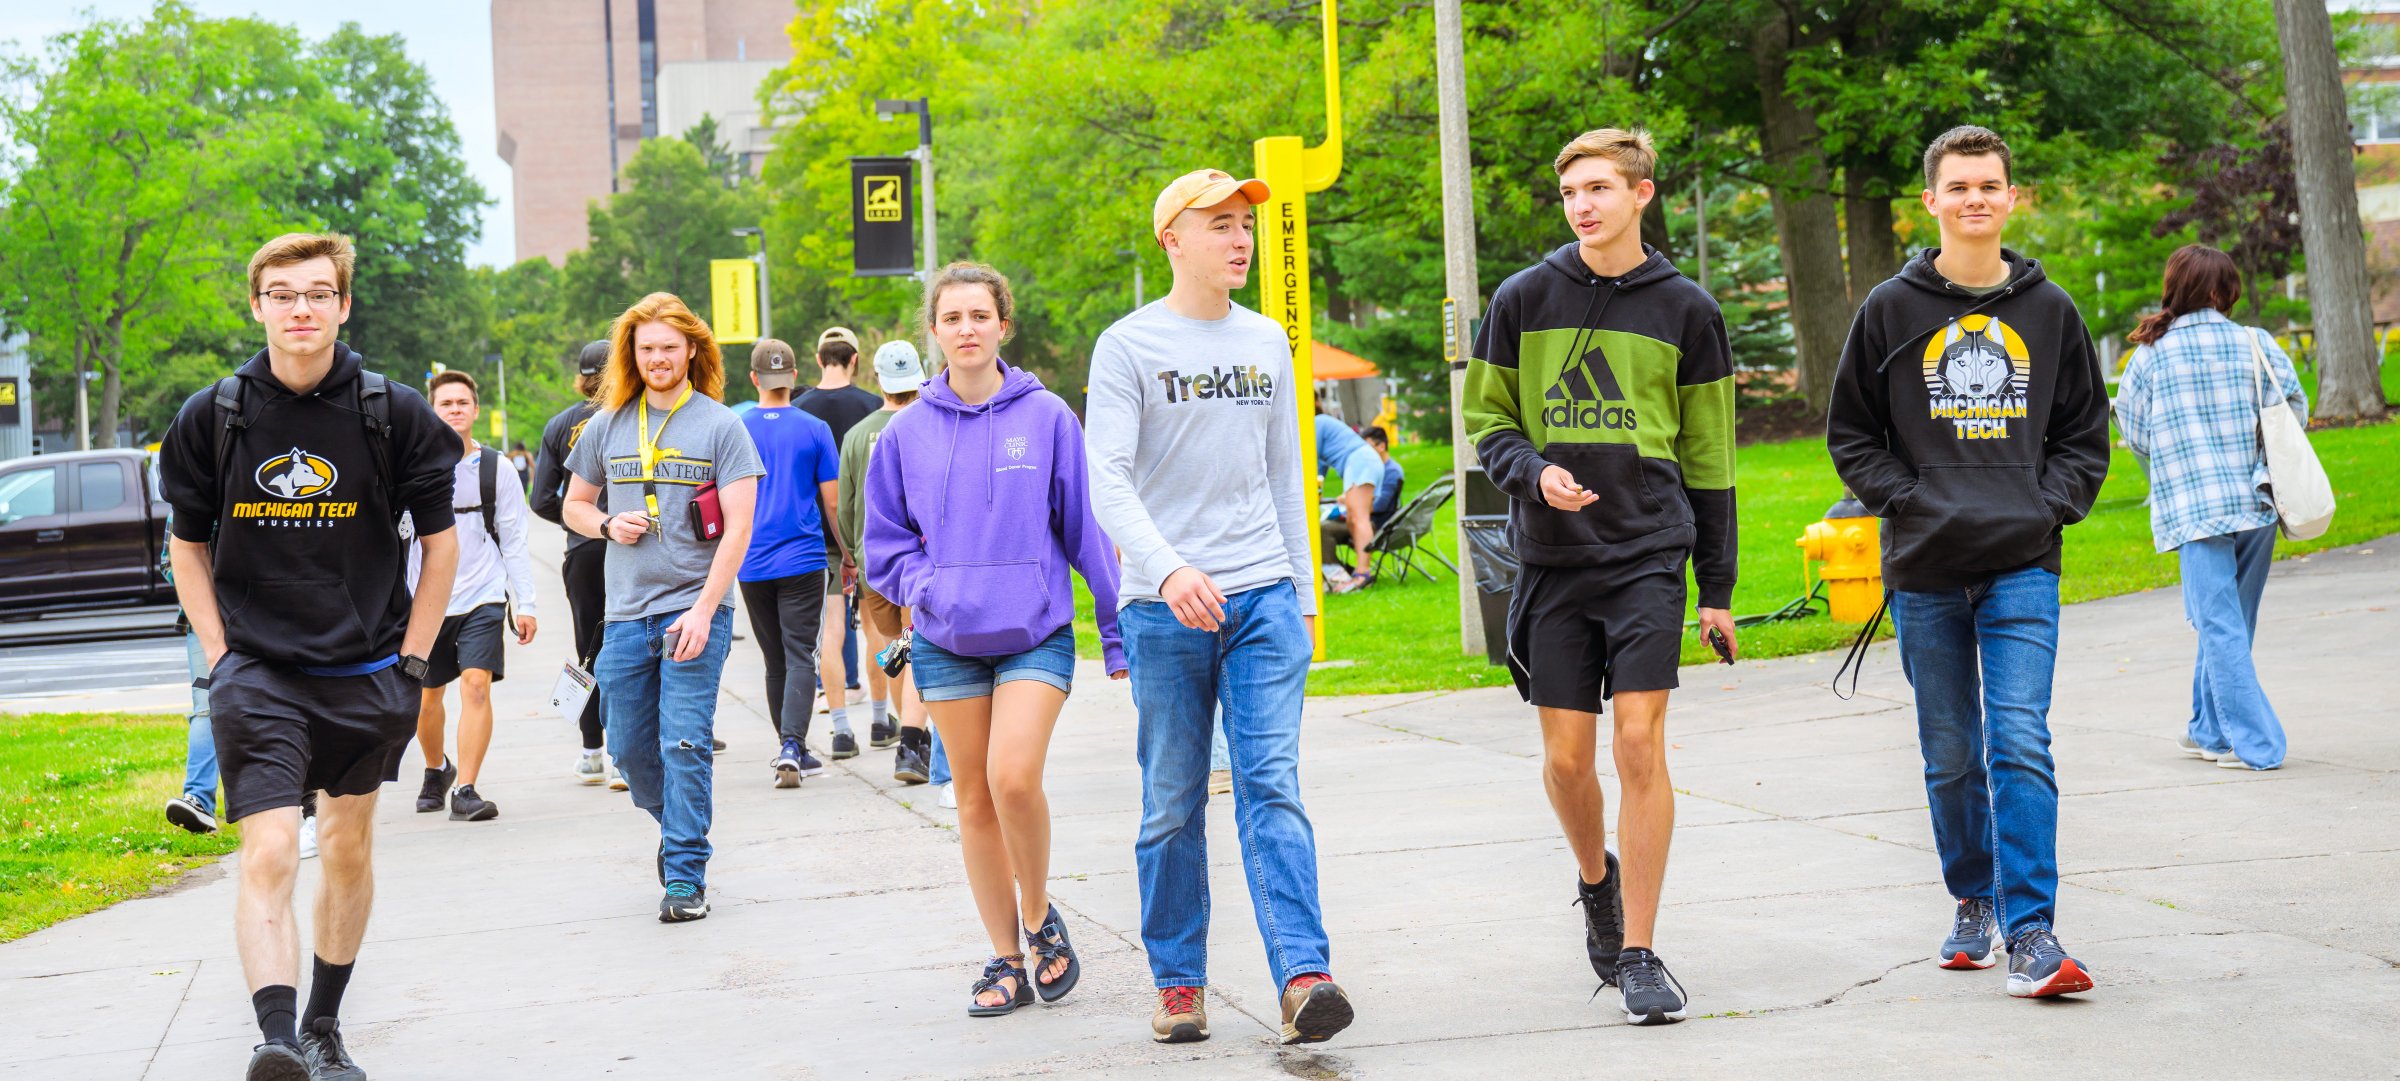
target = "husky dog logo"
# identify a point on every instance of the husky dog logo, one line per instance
(1015, 446)
(1976, 374)
(297, 474)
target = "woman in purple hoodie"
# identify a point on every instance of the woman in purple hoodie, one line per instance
(976, 507)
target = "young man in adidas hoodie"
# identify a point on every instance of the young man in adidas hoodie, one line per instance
(1969, 414)
(1600, 398)
(288, 562)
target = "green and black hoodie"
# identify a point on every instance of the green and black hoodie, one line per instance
(1625, 382)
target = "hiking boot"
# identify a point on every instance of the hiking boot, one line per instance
(191, 814)
(787, 765)
(908, 763)
(1653, 996)
(276, 1062)
(466, 806)
(327, 1059)
(845, 745)
(591, 768)
(2039, 967)
(437, 788)
(1974, 940)
(683, 902)
(1603, 920)
(882, 734)
(1314, 1008)
(1181, 1017)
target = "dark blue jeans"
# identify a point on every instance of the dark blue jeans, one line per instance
(1256, 666)
(1980, 660)
(2223, 579)
(660, 716)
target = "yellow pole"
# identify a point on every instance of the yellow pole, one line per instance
(1291, 170)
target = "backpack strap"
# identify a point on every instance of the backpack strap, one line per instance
(488, 483)
(374, 400)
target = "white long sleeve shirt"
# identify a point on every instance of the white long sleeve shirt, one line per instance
(487, 574)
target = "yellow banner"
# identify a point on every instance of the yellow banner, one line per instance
(733, 300)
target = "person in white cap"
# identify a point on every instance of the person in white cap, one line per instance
(1194, 450)
(840, 403)
(899, 372)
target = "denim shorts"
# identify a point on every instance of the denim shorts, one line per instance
(943, 676)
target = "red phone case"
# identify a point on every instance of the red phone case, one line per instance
(708, 519)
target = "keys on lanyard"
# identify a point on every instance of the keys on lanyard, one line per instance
(649, 449)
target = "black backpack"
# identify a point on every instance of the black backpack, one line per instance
(487, 479)
(370, 398)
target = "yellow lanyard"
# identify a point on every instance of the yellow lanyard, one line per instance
(649, 443)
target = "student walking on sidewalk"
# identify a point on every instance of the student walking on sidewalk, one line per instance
(1968, 413)
(583, 569)
(1196, 475)
(2189, 403)
(901, 375)
(783, 577)
(682, 477)
(976, 507)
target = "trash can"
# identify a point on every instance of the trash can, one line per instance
(1484, 521)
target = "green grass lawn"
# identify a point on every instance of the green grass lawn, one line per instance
(80, 826)
(1403, 636)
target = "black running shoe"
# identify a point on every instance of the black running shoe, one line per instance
(683, 902)
(810, 764)
(908, 763)
(1974, 937)
(466, 806)
(1603, 921)
(882, 734)
(437, 787)
(845, 745)
(1653, 996)
(327, 1059)
(191, 814)
(2039, 967)
(276, 1062)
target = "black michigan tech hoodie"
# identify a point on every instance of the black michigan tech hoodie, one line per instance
(1976, 426)
(309, 562)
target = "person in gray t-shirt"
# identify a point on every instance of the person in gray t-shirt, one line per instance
(668, 628)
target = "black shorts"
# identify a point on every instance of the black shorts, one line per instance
(1577, 635)
(473, 640)
(281, 732)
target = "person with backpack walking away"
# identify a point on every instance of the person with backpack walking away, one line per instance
(583, 569)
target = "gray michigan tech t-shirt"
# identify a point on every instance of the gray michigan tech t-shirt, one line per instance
(702, 442)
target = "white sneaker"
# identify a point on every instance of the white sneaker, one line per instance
(2189, 747)
(591, 768)
(616, 780)
(308, 837)
(948, 796)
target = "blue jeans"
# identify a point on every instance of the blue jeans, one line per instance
(200, 744)
(1256, 665)
(2223, 579)
(1980, 660)
(660, 715)
(938, 770)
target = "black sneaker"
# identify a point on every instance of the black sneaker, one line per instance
(1974, 937)
(716, 745)
(276, 1062)
(908, 763)
(845, 745)
(437, 787)
(1603, 921)
(327, 1059)
(191, 814)
(810, 765)
(682, 903)
(1653, 996)
(882, 734)
(466, 806)
(2039, 967)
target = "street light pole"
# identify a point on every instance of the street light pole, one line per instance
(885, 109)
(766, 313)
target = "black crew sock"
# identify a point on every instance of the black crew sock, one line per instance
(916, 737)
(275, 1005)
(325, 989)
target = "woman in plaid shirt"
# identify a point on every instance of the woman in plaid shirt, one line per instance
(2189, 403)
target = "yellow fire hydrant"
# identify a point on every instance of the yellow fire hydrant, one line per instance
(1847, 542)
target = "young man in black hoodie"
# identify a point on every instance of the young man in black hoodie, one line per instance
(288, 481)
(1600, 398)
(1970, 415)
(587, 590)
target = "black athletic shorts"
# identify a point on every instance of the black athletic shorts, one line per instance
(281, 732)
(473, 640)
(1577, 635)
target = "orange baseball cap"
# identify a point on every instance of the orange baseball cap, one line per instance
(1201, 187)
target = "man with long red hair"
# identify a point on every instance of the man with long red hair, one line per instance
(682, 477)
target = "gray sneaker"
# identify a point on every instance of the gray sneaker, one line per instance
(1653, 996)
(1974, 940)
(2039, 967)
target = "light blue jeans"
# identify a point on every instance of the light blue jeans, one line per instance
(1980, 660)
(1256, 666)
(660, 715)
(2223, 580)
(200, 744)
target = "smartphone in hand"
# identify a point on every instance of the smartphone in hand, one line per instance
(1716, 641)
(667, 641)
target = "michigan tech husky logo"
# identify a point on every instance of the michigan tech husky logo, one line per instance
(296, 474)
(1976, 374)
(1580, 397)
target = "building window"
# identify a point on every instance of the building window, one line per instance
(646, 17)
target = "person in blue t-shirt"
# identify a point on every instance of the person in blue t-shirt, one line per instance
(784, 575)
(1340, 450)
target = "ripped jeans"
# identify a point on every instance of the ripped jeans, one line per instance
(660, 716)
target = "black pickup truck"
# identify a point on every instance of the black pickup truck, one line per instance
(80, 530)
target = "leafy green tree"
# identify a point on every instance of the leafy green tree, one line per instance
(656, 235)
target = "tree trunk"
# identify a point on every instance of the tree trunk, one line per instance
(1806, 231)
(112, 363)
(1874, 248)
(2348, 387)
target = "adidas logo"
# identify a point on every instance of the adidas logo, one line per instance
(1578, 397)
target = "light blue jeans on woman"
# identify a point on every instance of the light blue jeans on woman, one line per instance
(2223, 578)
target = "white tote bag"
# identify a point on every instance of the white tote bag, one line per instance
(2295, 479)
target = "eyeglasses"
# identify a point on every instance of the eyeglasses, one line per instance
(284, 299)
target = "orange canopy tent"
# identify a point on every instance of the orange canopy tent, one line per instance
(1333, 363)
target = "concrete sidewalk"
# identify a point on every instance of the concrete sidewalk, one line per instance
(2239, 924)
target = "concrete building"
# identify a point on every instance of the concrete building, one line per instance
(2374, 90)
(578, 84)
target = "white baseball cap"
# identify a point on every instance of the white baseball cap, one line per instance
(897, 367)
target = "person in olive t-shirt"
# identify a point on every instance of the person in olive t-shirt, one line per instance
(840, 403)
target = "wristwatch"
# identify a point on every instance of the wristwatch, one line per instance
(414, 668)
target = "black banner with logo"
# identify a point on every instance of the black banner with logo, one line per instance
(11, 411)
(883, 219)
